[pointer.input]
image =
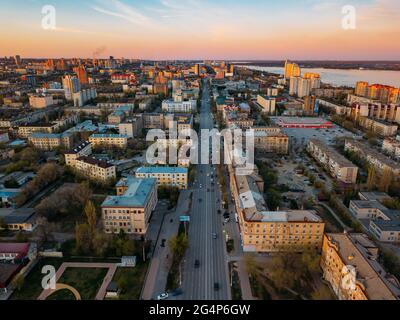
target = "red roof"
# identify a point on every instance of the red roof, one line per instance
(21, 249)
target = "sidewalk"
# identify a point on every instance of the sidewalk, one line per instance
(156, 278)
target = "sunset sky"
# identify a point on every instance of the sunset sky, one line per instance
(202, 29)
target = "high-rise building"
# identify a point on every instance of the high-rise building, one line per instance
(197, 69)
(315, 79)
(82, 74)
(309, 105)
(292, 70)
(71, 85)
(362, 88)
(304, 87)
(17, 60)
(294, 84)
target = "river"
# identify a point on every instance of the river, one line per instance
(339, 77)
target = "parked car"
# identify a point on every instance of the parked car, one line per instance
(214, 235)
(163, 296)
(216, 286)
(197, 263)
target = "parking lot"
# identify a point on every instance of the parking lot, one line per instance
(299, 137)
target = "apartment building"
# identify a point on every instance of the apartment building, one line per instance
(109, 140)
(392, 147)
(179, 106)
(384, 223)
(166, 176)
(132, 127)
(24, 131)
(373, 110)
(95, 169)
(130, 210)
(380, 127)
(83, 150)
(270, 140)
(268, 104)
(51, 141)
(373, 157)
(349, 265)
(41, 101)
(271, 231)
(183, 122)
(153, 121)
(338, 166)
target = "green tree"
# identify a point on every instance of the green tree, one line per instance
(371, 178)
(385, 181)
(179, 244)
(18, 282)
(91, 216)
(251, 264)
(83, 238)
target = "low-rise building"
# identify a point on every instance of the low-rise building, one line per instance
(131, 128)
(338, 166)
(83, 150)
(271, 231)
(349, 265)
(384, 223)
(41, 101)
(268, 104)
(109, 140)
(24, 131)
(50, 141)
(379, 127)
(22, 219)
(271, 140)
(179, 106)
(392, 147)
(373, 157)
(165, 176)
(130, 210)
(95, 169)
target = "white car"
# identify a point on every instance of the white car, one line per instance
(163, 296)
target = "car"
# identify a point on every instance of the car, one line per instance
(227, 220)
(197, 263)
(200, 200)
(216, 286)
(163, 242)
(219, 211)
(163, 296)
(214, 235)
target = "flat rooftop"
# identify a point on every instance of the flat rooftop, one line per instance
(333, 154)
(367, 150)
(161, 170)
(136, 195)
(369, 272)
(96, 162)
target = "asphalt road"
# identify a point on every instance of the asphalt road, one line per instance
(198, 283)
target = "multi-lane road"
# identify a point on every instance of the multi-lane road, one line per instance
(199, 283)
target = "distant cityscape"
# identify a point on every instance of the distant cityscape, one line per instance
(316, 217)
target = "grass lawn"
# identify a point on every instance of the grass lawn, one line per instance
(32, 287)
(62, 295)
(86, 281)
(131, 281)
(235, 289)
